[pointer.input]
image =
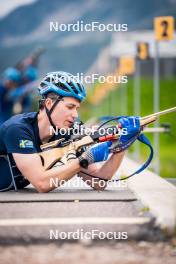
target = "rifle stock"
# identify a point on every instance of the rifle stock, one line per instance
(53, 154)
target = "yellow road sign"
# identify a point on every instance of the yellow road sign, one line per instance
(127, 65)
(143, 50)
(164, 28)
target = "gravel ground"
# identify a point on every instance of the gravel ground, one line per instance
(75, 253)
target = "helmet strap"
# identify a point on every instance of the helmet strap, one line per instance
(49, 112)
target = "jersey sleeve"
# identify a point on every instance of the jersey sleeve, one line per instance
(18, 139)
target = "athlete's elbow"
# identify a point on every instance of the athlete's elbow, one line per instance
(42, 187)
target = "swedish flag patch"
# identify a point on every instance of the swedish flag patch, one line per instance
(26, 143)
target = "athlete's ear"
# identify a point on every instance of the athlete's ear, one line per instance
(48, 103)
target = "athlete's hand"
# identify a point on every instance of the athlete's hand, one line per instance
(130, 126)
(97, 153)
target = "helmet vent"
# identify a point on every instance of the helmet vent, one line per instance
(73, 88)
(62, 86)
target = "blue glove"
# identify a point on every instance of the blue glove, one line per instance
(98, 153)
(131, 126)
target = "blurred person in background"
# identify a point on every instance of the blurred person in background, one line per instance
(11, 79)
(22, 96)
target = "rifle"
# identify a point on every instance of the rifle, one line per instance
(54, 151)
(32, 59)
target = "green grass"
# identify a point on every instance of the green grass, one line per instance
(115, 104)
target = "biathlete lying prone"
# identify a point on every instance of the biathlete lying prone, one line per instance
(22, 135)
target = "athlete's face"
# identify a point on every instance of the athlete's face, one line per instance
(65, 112)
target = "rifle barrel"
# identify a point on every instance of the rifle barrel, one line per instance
(166, 111)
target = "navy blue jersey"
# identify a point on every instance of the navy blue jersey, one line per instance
(20, 134)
